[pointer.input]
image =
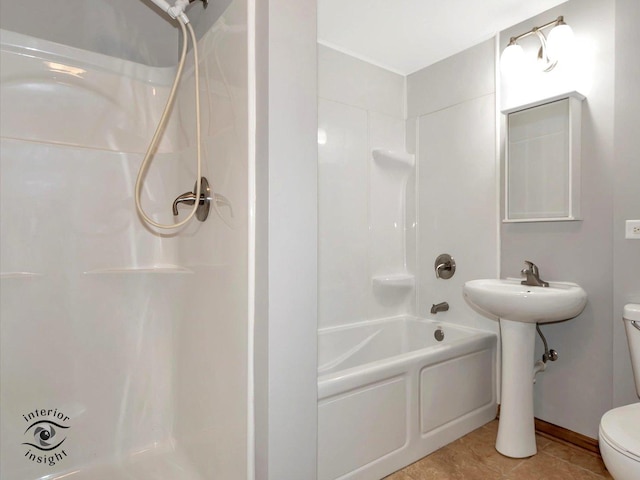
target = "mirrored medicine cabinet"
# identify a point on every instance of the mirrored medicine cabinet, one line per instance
(542, 160)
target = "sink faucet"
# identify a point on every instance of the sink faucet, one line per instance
(533, 275)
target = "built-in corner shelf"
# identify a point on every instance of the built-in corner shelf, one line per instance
(400, 281)
(20, 275)
(393, 159)
(153, 269)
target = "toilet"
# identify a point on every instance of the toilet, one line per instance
(620, 428)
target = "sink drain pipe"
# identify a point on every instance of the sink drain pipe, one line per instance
(541, 365)
(538, 367)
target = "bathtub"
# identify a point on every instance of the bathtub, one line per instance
(390, 393)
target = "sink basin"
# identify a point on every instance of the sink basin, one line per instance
(519, 307)
(510, 300)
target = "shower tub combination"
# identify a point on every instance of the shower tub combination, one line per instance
(390, 392)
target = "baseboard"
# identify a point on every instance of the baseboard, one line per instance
(567, 436)
(562, 434)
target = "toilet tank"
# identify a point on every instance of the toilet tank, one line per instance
(631, 316)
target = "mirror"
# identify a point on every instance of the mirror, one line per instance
(542, 169)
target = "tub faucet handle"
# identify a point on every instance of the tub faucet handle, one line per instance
(445, 266)
(189, 198)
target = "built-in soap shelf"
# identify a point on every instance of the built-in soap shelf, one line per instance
(393, 159)
(402, 281)
(154, 269)
(21, 275)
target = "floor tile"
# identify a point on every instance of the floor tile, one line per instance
(577, 456)
(401, 475)
(474, 457)
(547, 467)
(479, 446)
(451, 462)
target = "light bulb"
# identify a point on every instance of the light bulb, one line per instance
(560, 42)
(512, 60)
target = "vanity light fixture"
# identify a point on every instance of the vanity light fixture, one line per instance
(552, 49)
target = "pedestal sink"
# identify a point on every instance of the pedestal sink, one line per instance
(519, 308)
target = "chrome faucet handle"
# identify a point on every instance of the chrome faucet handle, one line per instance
(445, 266)
(189, 198)
(533, 275)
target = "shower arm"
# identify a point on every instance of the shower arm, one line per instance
(177, 10)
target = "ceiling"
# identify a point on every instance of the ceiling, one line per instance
(400, 35)
(407, 35)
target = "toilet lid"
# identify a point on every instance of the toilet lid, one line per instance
(621, 427)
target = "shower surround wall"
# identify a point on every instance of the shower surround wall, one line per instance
(450, 198)
(212, 332)
(362, 214)
(131, 334)
(453, 135)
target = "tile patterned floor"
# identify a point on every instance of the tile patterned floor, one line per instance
(474, 457)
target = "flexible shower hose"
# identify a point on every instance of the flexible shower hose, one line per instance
(161, 124)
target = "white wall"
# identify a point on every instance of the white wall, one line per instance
(626, 194)
(451, 126)
(361, 216)
(576, 390)
(286, 240)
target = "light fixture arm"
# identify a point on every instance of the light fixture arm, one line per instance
(536, 30)
(543, 54)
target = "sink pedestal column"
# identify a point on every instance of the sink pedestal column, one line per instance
(516, 430)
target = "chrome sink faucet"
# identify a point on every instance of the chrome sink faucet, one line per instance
(533, 275)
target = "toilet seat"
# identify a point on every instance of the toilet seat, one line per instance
(620, 428)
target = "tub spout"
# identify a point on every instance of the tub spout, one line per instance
(439, 307)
